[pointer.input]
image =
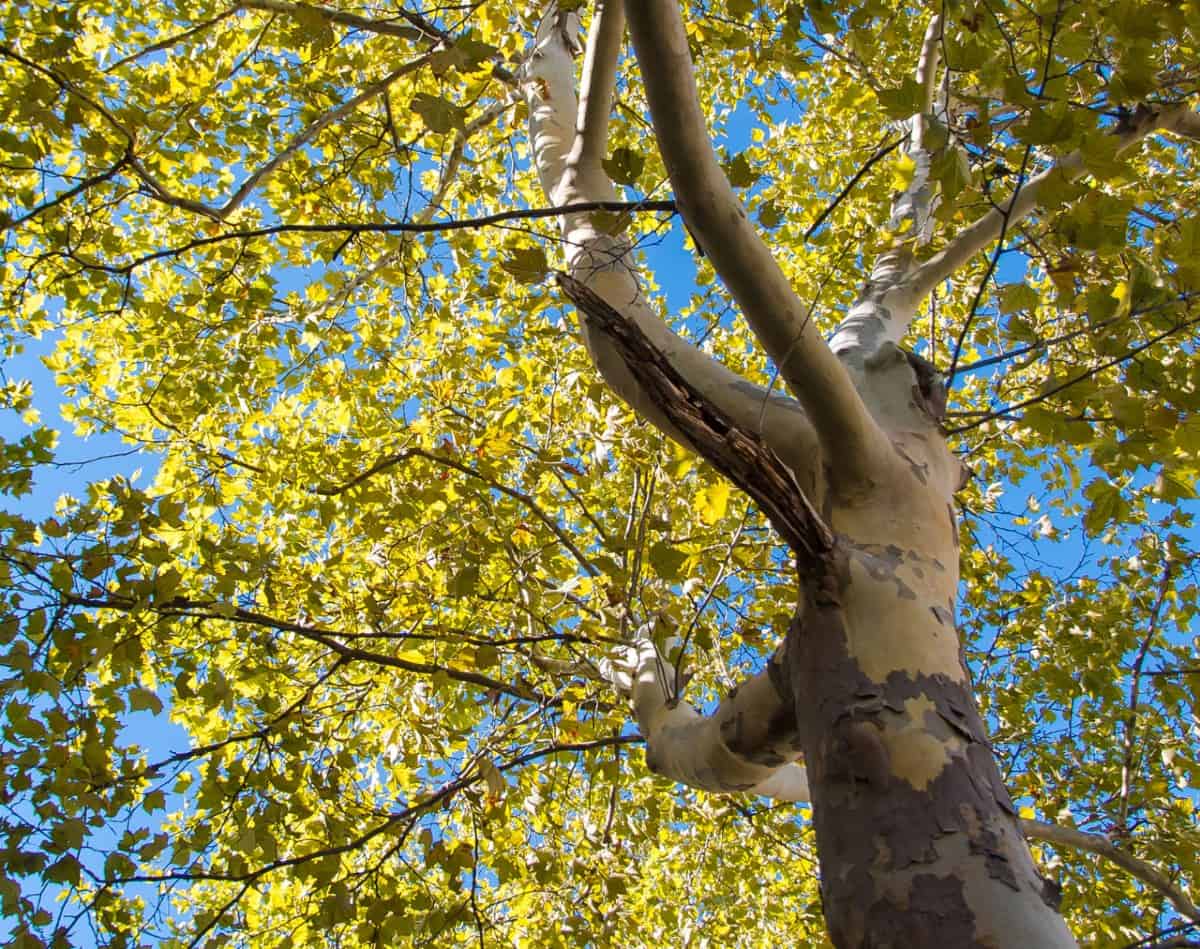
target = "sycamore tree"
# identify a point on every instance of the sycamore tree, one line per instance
(696, 474)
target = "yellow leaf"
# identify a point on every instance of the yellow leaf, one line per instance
(712, 501)
(902, 173)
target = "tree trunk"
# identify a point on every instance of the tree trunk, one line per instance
(917, 838)
(918, 842)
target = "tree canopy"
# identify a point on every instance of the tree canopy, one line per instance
(332, 670)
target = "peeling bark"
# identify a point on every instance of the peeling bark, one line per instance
(919, 844)
(918, 841)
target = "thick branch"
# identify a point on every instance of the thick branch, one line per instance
(603, 260)
(740, 454)
(748, 744)
(599, 81)
(885, 308)
(1187, 126)
(716, 218)
(927, 71)
(1102, 846)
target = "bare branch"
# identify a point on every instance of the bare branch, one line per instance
(301, 139)
(748, 743)
(974, 238)
(1103, 847)
(603, 260)
(597, 85)
(316, 127)
(714, 215)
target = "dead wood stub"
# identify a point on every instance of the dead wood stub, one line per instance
(739, 454)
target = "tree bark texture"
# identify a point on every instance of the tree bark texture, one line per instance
(918, 842)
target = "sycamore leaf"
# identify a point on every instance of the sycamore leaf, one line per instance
(902, 101)
(438, 114)
(624, 166)
(464, 582)
(712, 501)
(667, 560)
(527, 264)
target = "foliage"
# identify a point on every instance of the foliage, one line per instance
(395, 521)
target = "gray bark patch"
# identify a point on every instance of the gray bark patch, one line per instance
(943, 919)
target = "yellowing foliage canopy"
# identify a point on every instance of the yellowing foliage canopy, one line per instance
(329, 671)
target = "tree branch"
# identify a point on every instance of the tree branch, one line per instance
(385, 227)
(61, 198)
(927, 70)
(316, 127)
(848, 435)
(881, 153)
(174, 39)
(741, 455)
(1067, 383)
(521, 497)
(1135, 683)
(302, 138)
(351, 20)
(183, 607)
(885, 307)
(597, 86)
(975, 237)
(1103, 847)
(602, 260)
(749, 744)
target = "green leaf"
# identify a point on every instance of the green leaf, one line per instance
(527, 264)
(667, 561)
(66, 871)
(624, 166)
(739, 172)
(143, 700)
(1108, 505)
(464, 582)
(904, 100)
(438, 114)
(1015, 297)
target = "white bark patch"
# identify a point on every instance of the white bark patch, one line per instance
(686, 746)
(890, 624)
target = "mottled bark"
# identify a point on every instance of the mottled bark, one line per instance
(917, 839)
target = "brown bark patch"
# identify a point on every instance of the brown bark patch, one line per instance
(873, 826)
(937, 917)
